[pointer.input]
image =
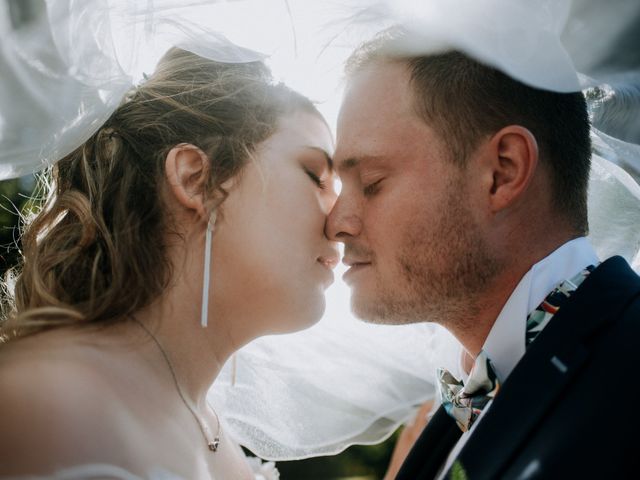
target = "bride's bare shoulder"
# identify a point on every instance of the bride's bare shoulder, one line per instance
(59, 365)
(53, 400)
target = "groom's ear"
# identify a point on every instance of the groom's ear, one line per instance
(187, 171)
(510, 162)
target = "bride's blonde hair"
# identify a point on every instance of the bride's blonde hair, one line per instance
(95, 250)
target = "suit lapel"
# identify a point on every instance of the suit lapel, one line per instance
(431, 449)
(551, 361)
(517, 409)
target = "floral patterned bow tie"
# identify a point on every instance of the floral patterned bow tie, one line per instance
(465, 402)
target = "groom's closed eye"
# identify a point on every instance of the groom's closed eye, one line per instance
(372, 188)
(372, 174)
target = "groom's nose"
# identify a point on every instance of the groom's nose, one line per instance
(343, 222)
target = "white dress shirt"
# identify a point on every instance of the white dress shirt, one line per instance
(505, 344)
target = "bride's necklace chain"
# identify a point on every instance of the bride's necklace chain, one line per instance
(211, 444)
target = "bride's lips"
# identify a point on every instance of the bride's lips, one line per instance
(355, 266)
(329, 262)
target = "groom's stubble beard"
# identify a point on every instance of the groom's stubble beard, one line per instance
(443, 266)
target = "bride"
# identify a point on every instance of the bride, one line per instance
(117, 331)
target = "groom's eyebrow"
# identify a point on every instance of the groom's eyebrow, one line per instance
(352, 162)
(348, 164)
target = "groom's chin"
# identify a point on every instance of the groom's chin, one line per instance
(364, 305)
(372, 311)
(385, 310)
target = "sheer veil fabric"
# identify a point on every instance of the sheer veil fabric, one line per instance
(66, 67)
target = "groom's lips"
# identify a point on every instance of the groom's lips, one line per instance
(355, 266)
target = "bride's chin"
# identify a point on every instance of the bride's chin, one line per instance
(306, 317)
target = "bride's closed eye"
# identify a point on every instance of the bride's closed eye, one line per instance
(316, 179)
(318, 166)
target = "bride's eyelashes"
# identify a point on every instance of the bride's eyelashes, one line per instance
(316, 179)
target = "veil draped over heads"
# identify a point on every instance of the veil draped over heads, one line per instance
(65, 67)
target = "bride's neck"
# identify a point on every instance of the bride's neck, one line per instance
(196, 354)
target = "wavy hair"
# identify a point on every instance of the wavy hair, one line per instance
(95, 251)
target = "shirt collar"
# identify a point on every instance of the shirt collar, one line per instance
(505, 344)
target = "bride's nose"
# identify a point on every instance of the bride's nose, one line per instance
(329, 198)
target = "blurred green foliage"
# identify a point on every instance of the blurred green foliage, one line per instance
(15, 201)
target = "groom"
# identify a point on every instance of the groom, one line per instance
(464, 202)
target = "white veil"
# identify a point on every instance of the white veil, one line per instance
(341, 382)
(65, 70)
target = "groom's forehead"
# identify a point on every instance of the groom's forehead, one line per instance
(343, 166)
(380, 141)
(377, 88)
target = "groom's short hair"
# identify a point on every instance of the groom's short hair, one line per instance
(465, 100)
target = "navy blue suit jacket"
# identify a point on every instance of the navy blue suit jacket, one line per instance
(569, 409)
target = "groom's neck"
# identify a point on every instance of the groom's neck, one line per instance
(474, 331)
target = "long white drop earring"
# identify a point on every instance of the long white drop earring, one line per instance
(207, 270)
(234, 369)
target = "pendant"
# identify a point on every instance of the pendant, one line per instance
(213, 446)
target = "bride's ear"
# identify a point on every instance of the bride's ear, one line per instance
(187, 170)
